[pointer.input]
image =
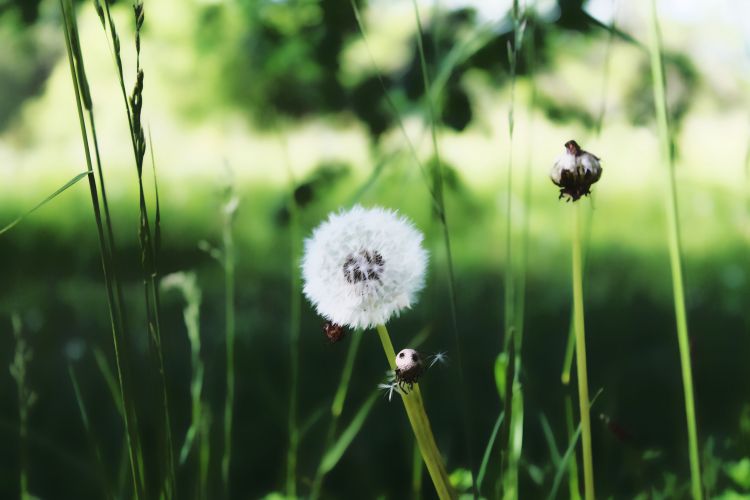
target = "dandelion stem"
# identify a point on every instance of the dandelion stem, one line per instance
(670, 198)
(583, 385)
(420, 424)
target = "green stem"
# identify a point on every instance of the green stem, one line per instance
(583, 385)
(420, 424)
(573, 465)
(228, 240)
(670, 198)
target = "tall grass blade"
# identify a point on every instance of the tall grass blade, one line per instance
(675, 251)
(488, 451)
(228, 262)
(439, 190)
(337, 407)
(26, 400)
(95, 448)
(573, 487)
(121, 355)
(562, 465)
(334, 454)
(49, 198)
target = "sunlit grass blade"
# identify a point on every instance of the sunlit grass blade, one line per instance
(675, 251)
(49, 198)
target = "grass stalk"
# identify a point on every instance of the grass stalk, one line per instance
(116, 322)
(583, 386)
(675, 251)
(512, 436)
(420, 425)
(228, 261)
(440, 201)
(95, 448)
(26, 399)
(295, 305)
(573, 487)
(337, 407)
(186, 283)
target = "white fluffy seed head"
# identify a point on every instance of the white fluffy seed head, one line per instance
(408, 360)
(363, 266)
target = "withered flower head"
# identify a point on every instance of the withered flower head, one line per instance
(575, 171)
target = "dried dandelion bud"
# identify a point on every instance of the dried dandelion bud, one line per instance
(575, 171)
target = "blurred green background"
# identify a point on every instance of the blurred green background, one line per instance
(287, 98)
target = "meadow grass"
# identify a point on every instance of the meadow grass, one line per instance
(675, 251)
(432, 115)
(514, 284)
(228, 265)
(336, 409)
(295, 305)
(121, 349)
(26, 399)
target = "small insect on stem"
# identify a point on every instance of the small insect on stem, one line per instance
(409, 368)
(333, 332)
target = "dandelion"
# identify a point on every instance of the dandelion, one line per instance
(360, 268)
(363, 266)
(575, 171)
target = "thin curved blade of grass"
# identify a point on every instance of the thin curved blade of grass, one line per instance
(109, 378)
(550, 438)
(563, 465)
(336, 451)
(101, 469)
(49, 198)
(488, 450)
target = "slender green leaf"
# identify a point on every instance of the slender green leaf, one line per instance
(336, 451)
(49, 198)
(488, 450)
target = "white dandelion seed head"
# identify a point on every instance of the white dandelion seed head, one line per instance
(363, 266)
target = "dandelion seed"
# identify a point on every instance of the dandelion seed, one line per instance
(389, 389)
(440, 357)
(363, 266)
(575, 171)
